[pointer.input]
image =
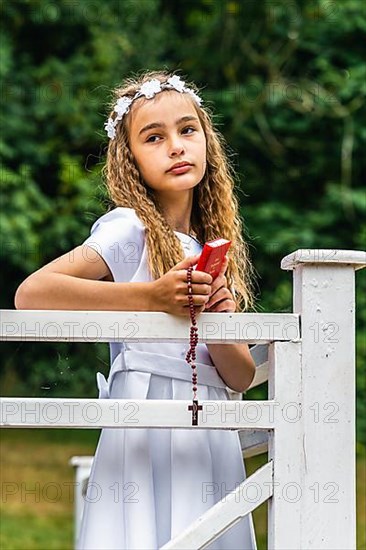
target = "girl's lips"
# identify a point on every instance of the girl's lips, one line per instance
(181, 169)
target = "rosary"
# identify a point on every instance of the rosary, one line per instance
(191, 354)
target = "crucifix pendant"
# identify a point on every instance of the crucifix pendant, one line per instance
(195, 407)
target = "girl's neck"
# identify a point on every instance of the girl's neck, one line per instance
(186, 229)
(178, 215)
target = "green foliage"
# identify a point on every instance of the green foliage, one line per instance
(286, 79)
(58, 63)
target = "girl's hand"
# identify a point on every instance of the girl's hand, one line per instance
(221, 300)
(170, 292)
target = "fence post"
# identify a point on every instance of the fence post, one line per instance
(285, 446)
(82, 465)
(324, 296)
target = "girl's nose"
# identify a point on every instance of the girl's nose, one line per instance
(176, 146)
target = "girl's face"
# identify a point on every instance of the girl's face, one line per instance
(168, 143)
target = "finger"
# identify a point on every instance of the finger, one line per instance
(201, 277)
(202, 289)
(219, 282)
(187, 262)
(221, 294)
(201, 282)
(198, 300)
(224, 265)
(225, 306)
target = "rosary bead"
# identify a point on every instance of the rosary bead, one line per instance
(193, 333)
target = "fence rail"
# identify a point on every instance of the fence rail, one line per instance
(112, 326)
(122, 413)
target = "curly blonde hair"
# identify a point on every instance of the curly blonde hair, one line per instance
(215, 212)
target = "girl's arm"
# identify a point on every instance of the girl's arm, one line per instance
(233, 361)
(234, 364)
(74, 282)
(79, 281)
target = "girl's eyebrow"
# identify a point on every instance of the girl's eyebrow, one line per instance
(153, 125)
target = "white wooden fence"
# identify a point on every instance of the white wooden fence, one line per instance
(308, 419)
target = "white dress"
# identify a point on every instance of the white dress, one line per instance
(146, 486)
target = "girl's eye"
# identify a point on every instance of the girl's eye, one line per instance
(152, 139)
(188, 130)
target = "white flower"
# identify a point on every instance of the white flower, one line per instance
(122, 105)
(150, 88)
(176, 83)
(110, 128)
(194, 95)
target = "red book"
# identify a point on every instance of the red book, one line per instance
(212, 256)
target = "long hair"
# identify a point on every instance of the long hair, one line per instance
(215, 212)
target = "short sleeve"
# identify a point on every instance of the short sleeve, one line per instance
(119, 238)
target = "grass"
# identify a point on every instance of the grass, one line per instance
(37, 498)
(37, 501)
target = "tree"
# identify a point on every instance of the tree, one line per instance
(287, 81)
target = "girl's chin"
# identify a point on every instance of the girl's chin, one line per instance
(180, 187)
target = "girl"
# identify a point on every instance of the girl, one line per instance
(172, 188)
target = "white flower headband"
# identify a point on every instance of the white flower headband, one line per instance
(148, 89)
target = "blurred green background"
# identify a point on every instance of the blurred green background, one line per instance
(287, 81)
